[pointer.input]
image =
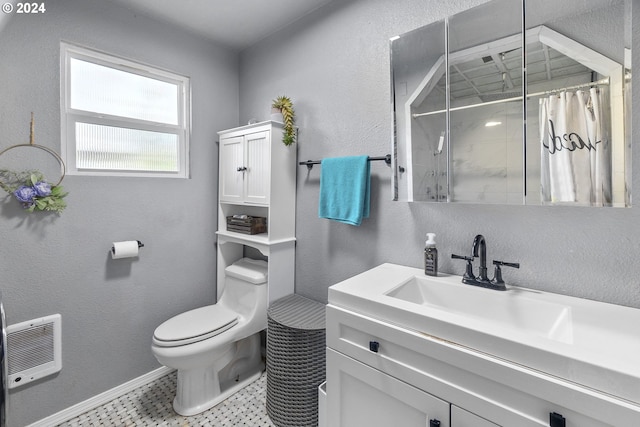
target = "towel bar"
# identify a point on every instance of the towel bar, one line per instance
(310, 163)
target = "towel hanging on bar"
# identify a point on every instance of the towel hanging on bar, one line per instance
(345, 189)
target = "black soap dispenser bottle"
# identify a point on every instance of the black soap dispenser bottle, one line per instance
(430, 256)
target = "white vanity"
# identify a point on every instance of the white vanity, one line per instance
(405, 350)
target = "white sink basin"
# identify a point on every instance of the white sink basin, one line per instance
(526, 315)
(589, 343)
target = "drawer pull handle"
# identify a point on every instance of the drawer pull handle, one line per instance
(374, 346)
(556, 420)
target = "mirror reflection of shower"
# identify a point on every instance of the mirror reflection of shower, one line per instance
(430, 160)
(440, 176)
(432, 182)
(465, 72)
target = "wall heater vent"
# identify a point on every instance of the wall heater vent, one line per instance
(33, 350)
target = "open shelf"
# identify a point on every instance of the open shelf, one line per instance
(252, 239)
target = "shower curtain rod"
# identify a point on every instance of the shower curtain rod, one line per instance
(604, 81)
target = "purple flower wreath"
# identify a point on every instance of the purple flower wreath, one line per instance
(35, 193)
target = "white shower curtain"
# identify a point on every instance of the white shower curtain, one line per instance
(576, 148)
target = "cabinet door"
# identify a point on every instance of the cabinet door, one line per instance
(358, 395)
(462, 418)
(231, 169)
(257, 161)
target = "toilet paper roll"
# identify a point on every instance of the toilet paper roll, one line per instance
(127, 249)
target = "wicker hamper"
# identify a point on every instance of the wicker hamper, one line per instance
(295, 360)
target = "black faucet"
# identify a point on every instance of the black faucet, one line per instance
(479, 242)
(479, 250)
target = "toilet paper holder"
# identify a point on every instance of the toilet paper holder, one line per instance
(140, 245)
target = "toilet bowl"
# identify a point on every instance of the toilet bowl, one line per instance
(216, 348)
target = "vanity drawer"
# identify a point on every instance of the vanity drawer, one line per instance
(505, 393)
(462, 418)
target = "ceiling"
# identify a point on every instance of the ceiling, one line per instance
(236, 24)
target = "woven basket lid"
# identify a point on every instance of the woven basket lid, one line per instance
(298, 312)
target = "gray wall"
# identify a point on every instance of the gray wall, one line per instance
(51, 264)
(335, 66)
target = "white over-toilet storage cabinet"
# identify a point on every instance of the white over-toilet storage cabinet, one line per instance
(257, 177)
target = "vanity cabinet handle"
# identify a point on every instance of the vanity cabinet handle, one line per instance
(241, 168)
(374, 346)
(556, 420)
(434, 423)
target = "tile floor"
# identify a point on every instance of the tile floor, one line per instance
(150, 405)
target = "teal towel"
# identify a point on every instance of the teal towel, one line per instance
(344, 189)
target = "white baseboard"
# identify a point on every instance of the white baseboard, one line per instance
(101, 399)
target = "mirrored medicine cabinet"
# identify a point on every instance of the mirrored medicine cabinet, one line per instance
(515, 103)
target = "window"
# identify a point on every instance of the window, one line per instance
(121, 118)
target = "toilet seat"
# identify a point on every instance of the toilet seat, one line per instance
(194, 325)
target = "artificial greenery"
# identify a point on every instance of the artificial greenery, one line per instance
(33, 191)
(284, 104)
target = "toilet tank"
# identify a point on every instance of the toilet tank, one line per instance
(248, 270)
(245, 287)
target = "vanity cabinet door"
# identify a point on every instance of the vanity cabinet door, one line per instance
(358, 395)
(462, 418)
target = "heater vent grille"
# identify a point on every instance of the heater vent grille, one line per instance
(33, 350)
(30, 348)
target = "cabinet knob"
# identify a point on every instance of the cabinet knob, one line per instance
(434, 423)
(242, 168)
(556, 420)
(374, 346)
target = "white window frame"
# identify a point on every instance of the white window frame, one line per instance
(70, 116)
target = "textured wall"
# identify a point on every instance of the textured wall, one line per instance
(51, 264)
(335, 66)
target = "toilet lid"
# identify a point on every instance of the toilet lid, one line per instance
(195, 325)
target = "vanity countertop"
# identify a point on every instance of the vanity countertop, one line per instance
(586, 342)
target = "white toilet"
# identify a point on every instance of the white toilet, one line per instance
(216, 348)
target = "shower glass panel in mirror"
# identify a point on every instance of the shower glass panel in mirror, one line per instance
(578, 81)
(459, 109)
(485, 104)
